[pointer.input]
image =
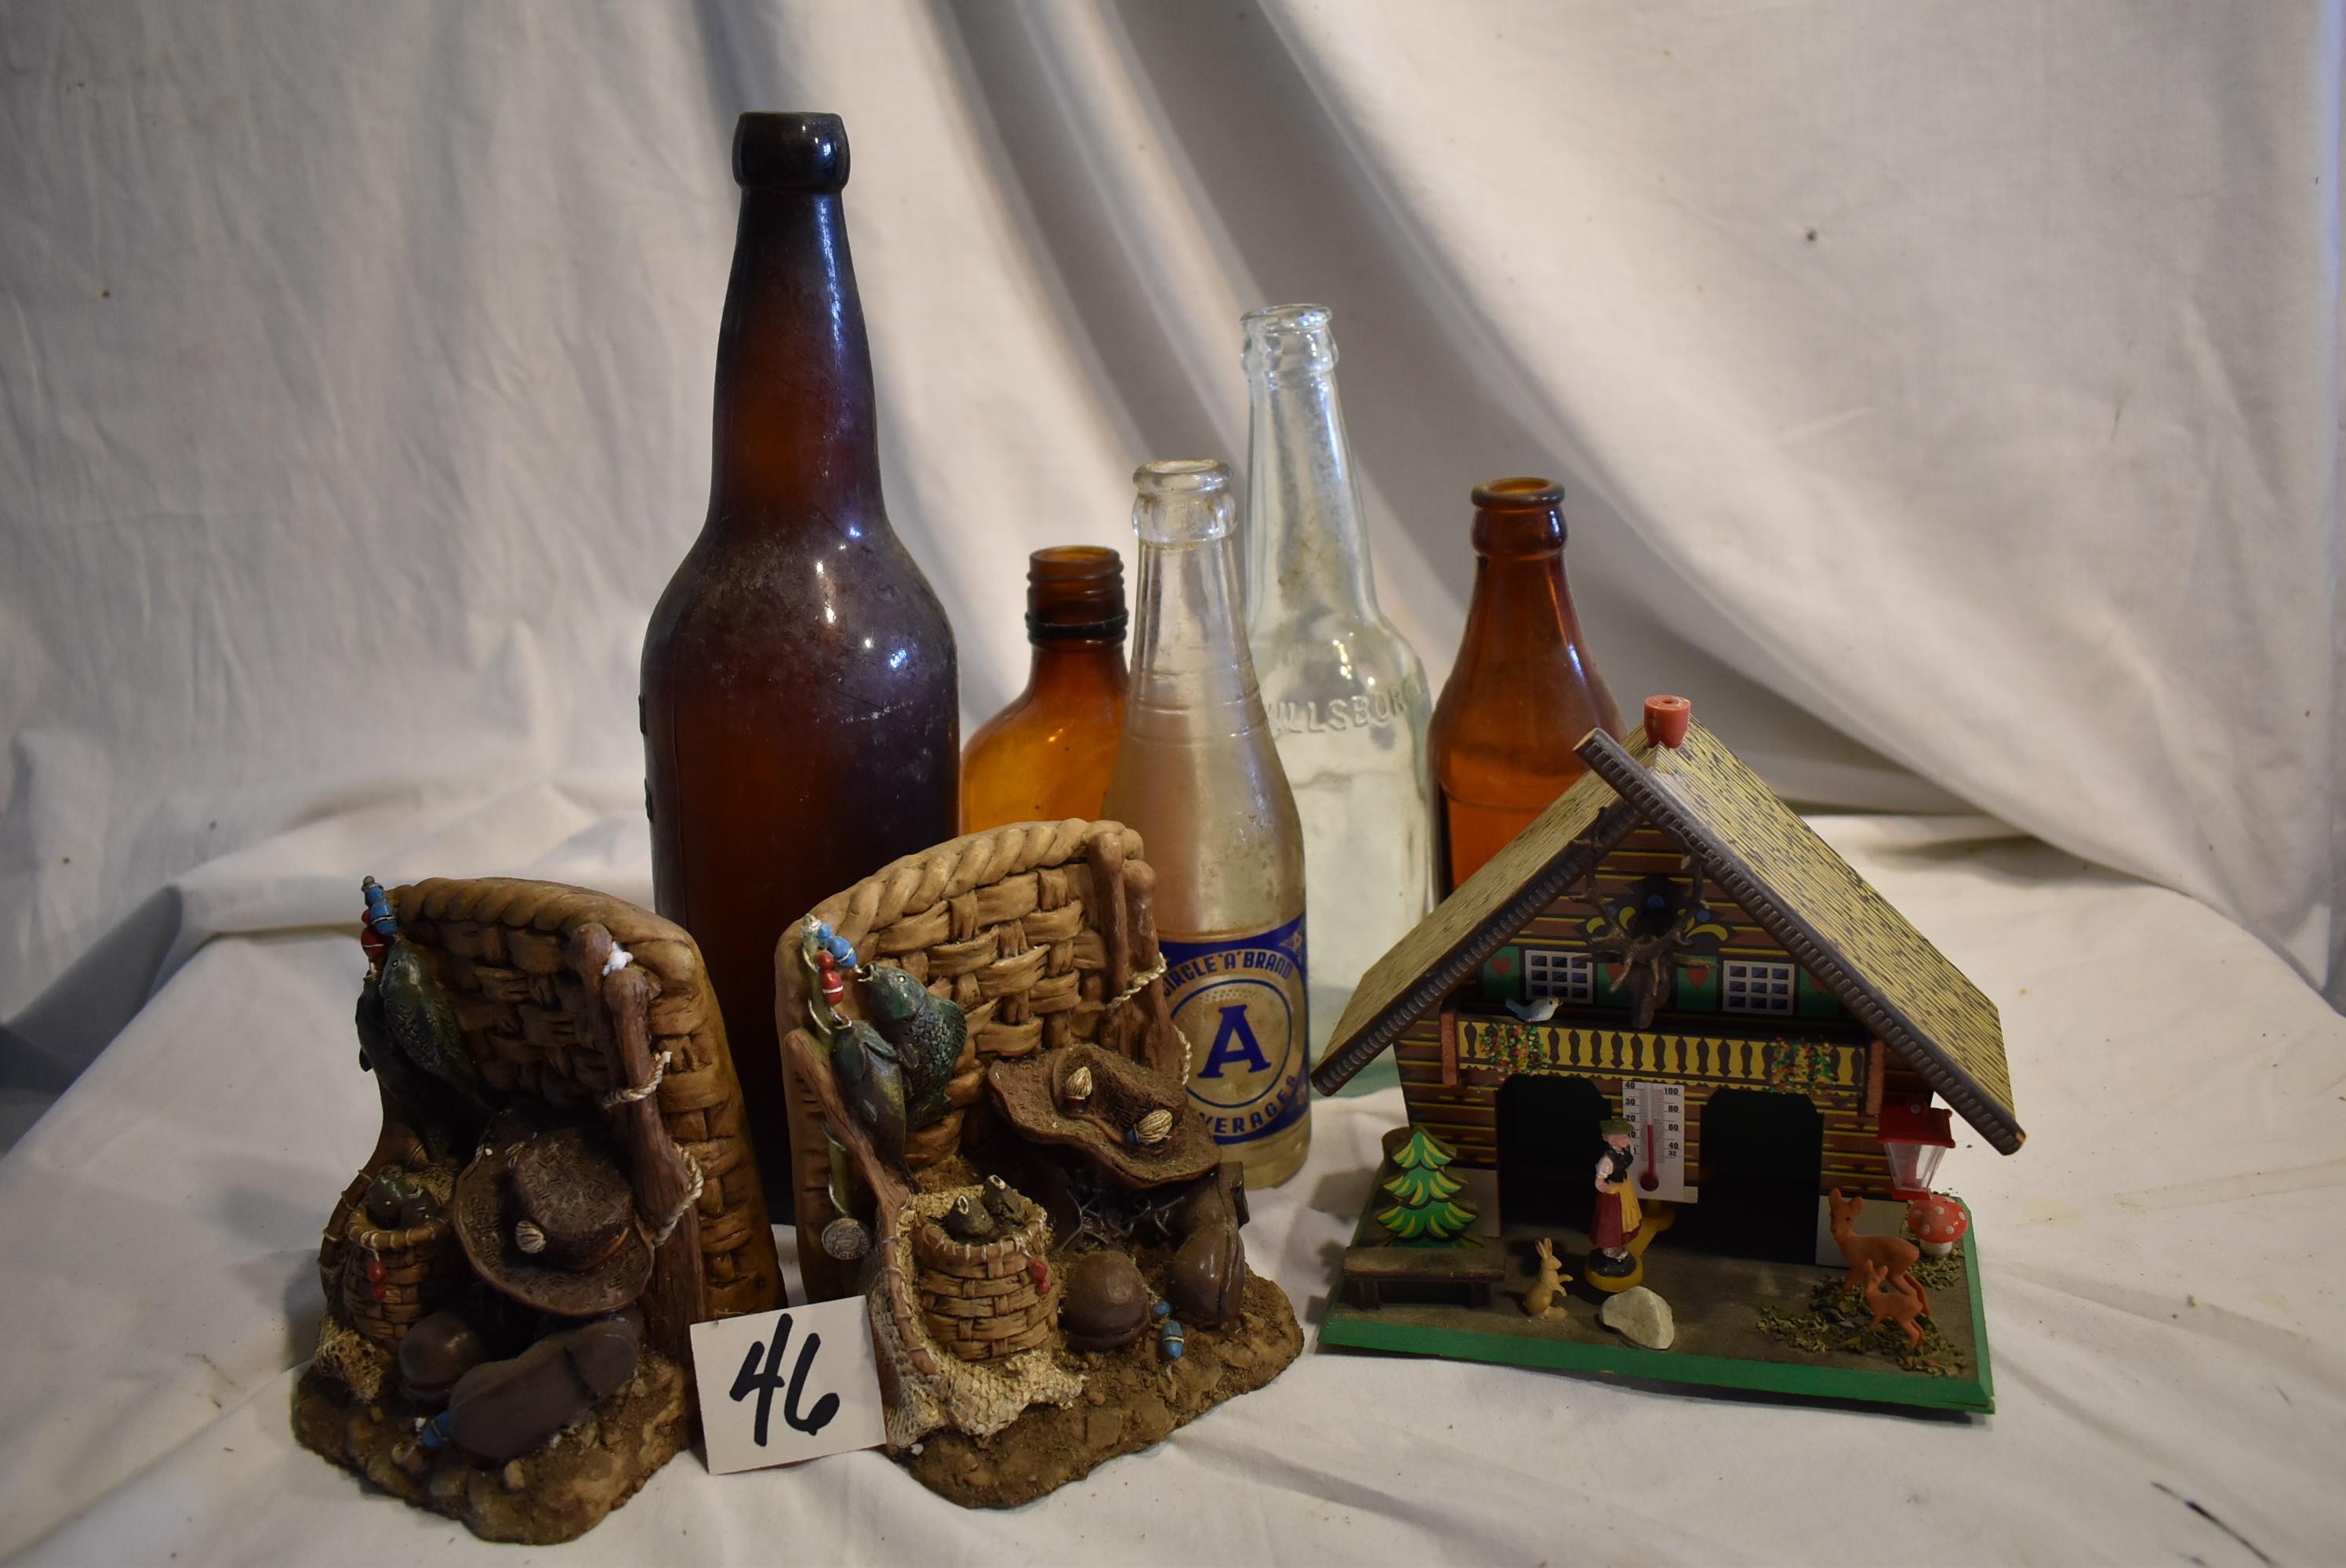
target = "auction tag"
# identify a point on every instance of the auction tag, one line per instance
(782, 1386)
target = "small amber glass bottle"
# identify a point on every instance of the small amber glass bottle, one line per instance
(1524, 692)
(1048, 755)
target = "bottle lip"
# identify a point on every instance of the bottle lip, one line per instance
(1287, 341)
(1527, 492)
(1182, 476)
(803, 152)
(1075, 593)
(1271, 317)
(1074, 563)
(1181, 501)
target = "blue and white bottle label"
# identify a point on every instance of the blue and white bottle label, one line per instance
(1240, 1003)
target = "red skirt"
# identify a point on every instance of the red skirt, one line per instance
(1605, 1230)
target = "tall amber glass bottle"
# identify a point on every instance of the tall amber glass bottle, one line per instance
(1524, 691)
(800, 708)
(1048, 755)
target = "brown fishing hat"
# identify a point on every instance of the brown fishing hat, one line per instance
(551, 1222)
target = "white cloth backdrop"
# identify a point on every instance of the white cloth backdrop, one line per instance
(1947, 396)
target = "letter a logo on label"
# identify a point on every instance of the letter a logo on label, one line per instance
(1234, 1042)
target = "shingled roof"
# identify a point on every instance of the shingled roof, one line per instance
(1791, 881)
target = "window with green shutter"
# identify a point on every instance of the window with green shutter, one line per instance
(1698, 985)
(1612, 984)
(1503, 976)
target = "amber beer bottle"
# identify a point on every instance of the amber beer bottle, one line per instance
(1047, 756)
(800, 704)
(1198, 777)
(1524, 691)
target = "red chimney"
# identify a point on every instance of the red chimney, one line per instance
(1666, 718)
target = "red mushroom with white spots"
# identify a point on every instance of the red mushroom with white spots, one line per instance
(1938, 1222)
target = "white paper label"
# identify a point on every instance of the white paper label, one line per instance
(789, 1385)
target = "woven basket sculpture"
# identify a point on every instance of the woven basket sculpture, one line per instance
(393, 1279)
(551, 1012)
(987, 1299)
(1039, 929)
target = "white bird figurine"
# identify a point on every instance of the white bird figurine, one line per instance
(1539, 1010)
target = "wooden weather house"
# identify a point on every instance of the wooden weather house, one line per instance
(1668, 942)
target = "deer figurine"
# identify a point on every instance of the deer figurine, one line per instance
(1539, 1301)
(1901, 1301)
(1894, 1253)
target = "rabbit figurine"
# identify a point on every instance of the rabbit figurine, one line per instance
(1539, 1301)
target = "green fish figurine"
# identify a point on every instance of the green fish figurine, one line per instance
(928, 1033)
(408, 1033)
(872, 1085)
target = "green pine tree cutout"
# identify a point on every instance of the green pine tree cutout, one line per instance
(1425, 1212)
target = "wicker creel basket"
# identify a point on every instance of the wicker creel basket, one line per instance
(504, 947)
(987, 1300)
(1040, 930)
(393, 1279)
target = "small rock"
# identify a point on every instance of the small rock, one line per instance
(1640, 1317)
(514, 1477)
(1237, 1354)
(1096, 1395)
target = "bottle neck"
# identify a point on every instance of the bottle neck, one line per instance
(1522, 604)
(1073, 667)
(1306, 547)
(1188, 651)
(796, 443)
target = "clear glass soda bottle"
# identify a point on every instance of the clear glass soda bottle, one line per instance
(1198, 777)
(1346, 693)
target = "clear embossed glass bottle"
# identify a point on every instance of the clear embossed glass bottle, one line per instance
(1198, 777)
(1346, 693)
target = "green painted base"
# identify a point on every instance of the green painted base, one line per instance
(1716, 1300)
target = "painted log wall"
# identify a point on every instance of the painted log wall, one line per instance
(1466, 1115)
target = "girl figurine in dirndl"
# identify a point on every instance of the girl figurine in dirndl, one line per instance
(1618, 1217)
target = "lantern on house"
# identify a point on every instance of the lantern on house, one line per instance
(1914, 1138)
